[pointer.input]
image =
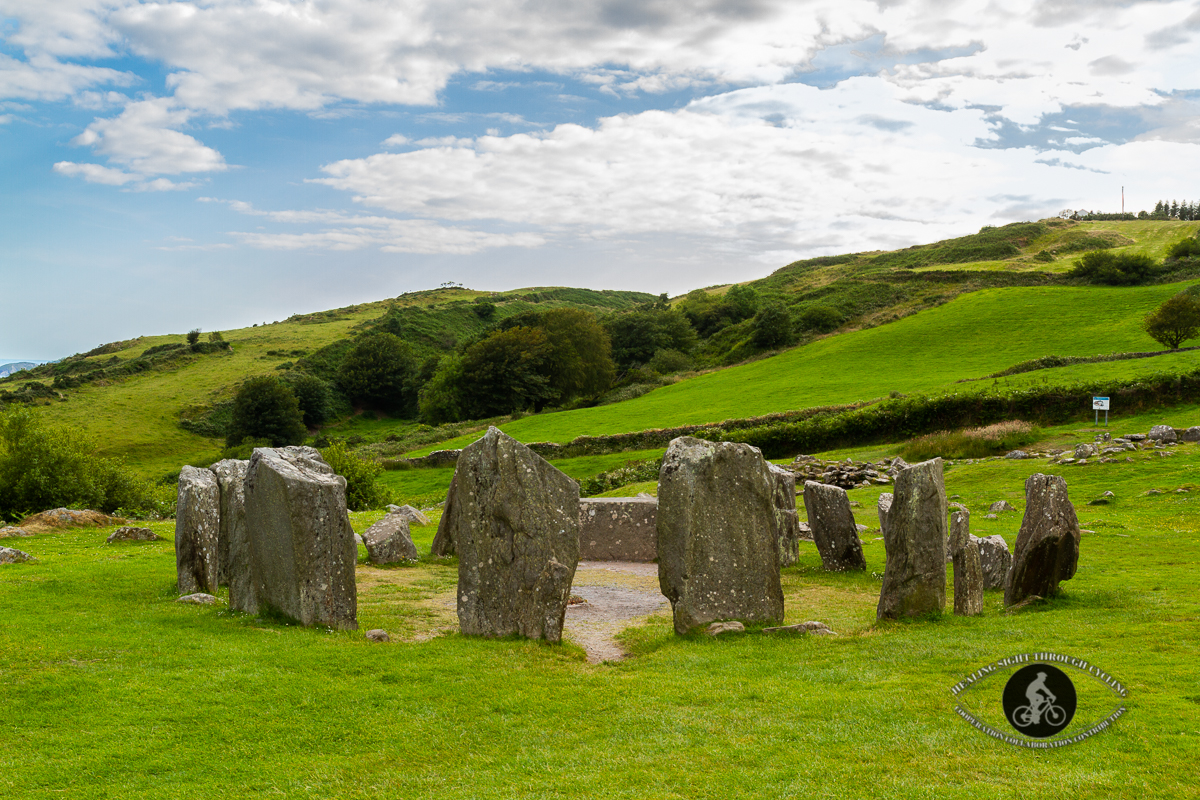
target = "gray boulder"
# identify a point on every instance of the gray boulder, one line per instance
(443, 545)
(1017, 454)
(9, 531)
(233, 542)
(1000, 506)
(1047, 548)
(198, 599)
(968, 571)
(197, 524)
(787, 519)
(994, 560)
(10, 555)
(1086, 450)
(834, 530)
(514, 521)
(914, 579)
(1162, 433)
(388, 541)
(618, 528)
(718, 552)
(302, 550)
(411, 514)
(1191, 434)
(130, 534)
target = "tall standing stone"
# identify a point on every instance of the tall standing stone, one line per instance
(833, 528)
(514, 521)
(302, 547)
(968, 573)
(914, 580)
(1047, 548)
(233, 542)
(718, 552)
(197, 525)
(787, 518)
(443, 545)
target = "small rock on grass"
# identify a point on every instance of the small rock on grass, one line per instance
(731, 626)
(131, 534)
(198, 599)
(1000, 506)
(815, 628)
(6, 532)
(10, 556)
(378, 635)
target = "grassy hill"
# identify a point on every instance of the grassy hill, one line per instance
(969, 337)
(910, 321)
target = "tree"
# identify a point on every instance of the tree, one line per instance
(1185, 248)
(580, 360)
(505, 372)
(266, 408)
(193, 336)
(379, 372)
(638, 335)
(312, 395)
(772, 327)
(1174, 322)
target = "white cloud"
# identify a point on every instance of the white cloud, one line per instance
(95, 173)
(144, 138)
(764, 170)
(356, 232)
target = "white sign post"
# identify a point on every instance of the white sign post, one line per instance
(1100, 404)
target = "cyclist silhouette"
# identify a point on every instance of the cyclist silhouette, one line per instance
(1040, 699)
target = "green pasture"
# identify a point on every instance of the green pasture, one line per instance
(972, 336)
(111, 689)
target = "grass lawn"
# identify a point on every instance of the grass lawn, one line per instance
(114, 690)
(972, 336)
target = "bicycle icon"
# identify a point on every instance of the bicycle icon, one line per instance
(1025, 716)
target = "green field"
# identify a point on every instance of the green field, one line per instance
(969, 337)
(114, 690)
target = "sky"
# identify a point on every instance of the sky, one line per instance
(214, 164)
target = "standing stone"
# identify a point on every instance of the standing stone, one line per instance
(197, 523)
(302, 550)
(884, 506)
(833, 527)
(787, 518)
(388, 541)
(233, 542)
(443, 545)
(514, 521)
(1047, 548)
(914, 580)
(718, 553)
(968, 572)
(994, 559)
(618, 529)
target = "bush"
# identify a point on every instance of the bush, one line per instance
(312, 395)
(1185, 248)
(820, 318)
(193, 336)
(668, 362)
(362, 491)
(45, 467)
(266, 408)
(1124, 269)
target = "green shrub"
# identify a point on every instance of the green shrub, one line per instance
(312, 395)
(45, 467)
(668, 362)
(362, 491)
(772, 327)
(266, 408)
(1124, 269)
(821, 318)
(1185, 248)
(379, 372)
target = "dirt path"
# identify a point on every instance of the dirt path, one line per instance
(619, 594)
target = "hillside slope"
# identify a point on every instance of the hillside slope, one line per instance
(969, 337)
